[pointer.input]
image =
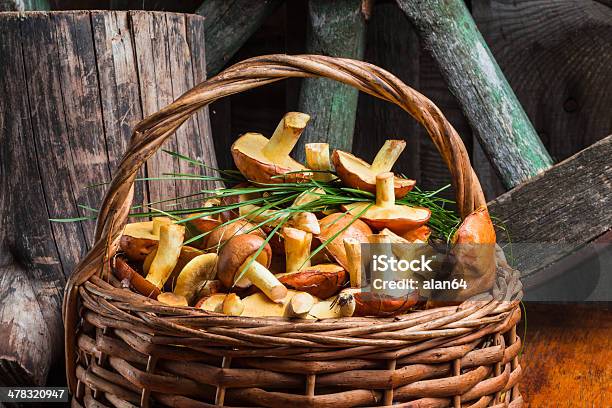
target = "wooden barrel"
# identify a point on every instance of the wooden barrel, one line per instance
(73, 85)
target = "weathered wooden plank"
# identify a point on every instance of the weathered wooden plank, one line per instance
(31, 277)
(70, 95)
(449, 32)
(434, 172)
(55, 156)
(559, 211)
(191, 137)
(195, 32)
(154, 75)
(398, 51)
(556, 56)
(88, 157)
(336, 29)
(260, 109)
(119, 90)
(229, 24)
(24, 5)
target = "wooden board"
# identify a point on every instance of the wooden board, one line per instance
(567, 206)
(450, 34)
(229, 24)
(73, 85)
(336, 30)
(399, 52)
(23, 5)
(557, 57)
(566, 356)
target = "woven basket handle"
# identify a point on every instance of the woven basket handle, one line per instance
(151, 133)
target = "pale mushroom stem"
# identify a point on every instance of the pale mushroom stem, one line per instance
(306, 221)
(286, 135)
(387, 155)
(158, 222)
(317, 158)
(265, 280)
(297, 248)
(353, 254)
(301, 303)
(172, 299)
(385, 193)
(232, 305)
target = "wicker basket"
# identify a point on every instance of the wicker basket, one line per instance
(125, 350)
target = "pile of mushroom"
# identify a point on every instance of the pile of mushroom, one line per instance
(237, 268)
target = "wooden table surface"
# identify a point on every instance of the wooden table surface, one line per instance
(567, 358)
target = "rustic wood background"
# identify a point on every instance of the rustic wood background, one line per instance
(555, 54)
(73, 88)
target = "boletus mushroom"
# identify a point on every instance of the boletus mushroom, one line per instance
(385, 213)
(358, 302)
(236, 259)
(322, 281)
(260, 159)
(420, 234)
(186, 255)
(346, 226)
(356, 173)
(259, 305)
(172, 299)
(168, 252)
(212, 303)
(317, 158)
(474, 253)
(232, 305)
(138, 240)
(196, 272)
(199, 225)
(297, 248)
(229, 230)
(300, 304)
(126, 273)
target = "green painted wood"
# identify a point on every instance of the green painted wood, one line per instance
(336, 29)
(24, 5)
(228, 24)
(499, 122)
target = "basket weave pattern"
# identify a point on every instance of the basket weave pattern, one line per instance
(123, 349)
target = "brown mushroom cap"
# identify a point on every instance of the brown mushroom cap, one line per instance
(236, 251)
(138, 240)
(474, 252)
(399, 218)
(199, 226)
(231, 230)
(332, 224)
(385, 213)
(322, 281)
(419, 234)
(374, 304)
(172, 299)
(356, 173)
(255, 166)
(124, 272)
(260, 159)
